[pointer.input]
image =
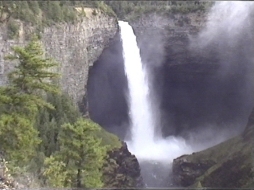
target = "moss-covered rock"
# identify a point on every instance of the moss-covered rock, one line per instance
(227, 165)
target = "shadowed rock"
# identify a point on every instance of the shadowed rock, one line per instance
(227, 165)
(122, 169)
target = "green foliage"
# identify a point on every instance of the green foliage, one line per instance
(109, 140)
(235, 152)
(49, 121)
(57, 11)
(18, 137)
(40, 132)
(46, 13)
(104, 8)
(69, 15)
(128, 10)
(34, 7)
(12, 29)
(57, 172)
(54, 11)
(81, 156)
(23, 12)
(22, 99)
(33, 70)
(38, 13)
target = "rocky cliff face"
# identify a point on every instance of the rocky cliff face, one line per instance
(122, 170)
(191, 85)
(155, 32)
(194, 90)
(75, 46)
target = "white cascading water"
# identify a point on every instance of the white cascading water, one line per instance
(225, 20)
(144, 143)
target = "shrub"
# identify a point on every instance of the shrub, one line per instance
(34, 7)
(12, 29)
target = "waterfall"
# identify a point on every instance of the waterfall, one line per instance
(227, 25)
(139, 100)
(145, 143)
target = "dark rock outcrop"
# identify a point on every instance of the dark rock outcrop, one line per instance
(227, 165)
(122, 169)
(185, 172)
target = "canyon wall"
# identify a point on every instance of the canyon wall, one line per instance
(194, 89)
(107, 83)
(75, 46)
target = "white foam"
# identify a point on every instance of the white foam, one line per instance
(145, 143)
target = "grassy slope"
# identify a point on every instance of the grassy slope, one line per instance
(234, 162)
(109, 139)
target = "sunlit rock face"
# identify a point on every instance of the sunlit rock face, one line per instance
(75, 46)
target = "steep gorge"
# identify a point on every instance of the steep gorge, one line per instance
(194, 89)
(76, 46)
(205, 94)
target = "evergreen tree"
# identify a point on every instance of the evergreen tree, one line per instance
(80, 157)
(34, 70)
(49, 121)
(18, 138)
(22, 99)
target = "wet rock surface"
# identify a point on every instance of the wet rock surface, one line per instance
(122, 169)
(185, 172)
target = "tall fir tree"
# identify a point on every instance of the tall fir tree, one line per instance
(22, 98)
(80, 158)
(49, 121)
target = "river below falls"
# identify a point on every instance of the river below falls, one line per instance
(156, 174)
